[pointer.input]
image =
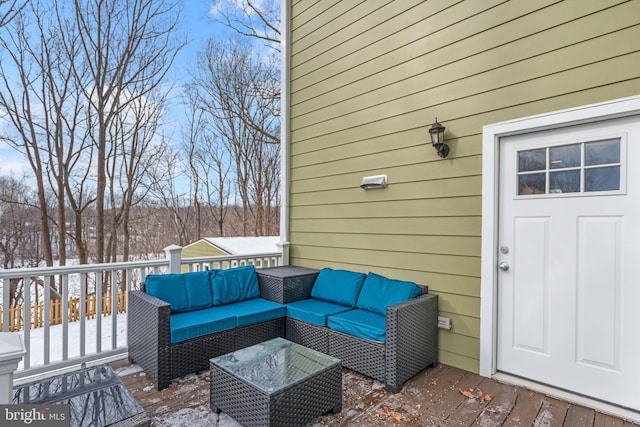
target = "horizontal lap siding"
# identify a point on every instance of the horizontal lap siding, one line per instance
(200, 249)
(367, 80)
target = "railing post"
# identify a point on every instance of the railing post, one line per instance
(13, 350)
(284, 252)
(174, 254)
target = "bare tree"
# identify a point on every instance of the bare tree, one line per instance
(214, 162)
(79, 68)
(129, 46)
(208, 169)
(230, 83)
(19, 232)
(37, 97)
(192, 138)
(133, 149)
(9, 9)
(255, 19)
(19, 239)
(166, 177)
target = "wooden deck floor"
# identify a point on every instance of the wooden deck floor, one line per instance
(440, 396)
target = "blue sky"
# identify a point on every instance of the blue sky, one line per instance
(199, 24)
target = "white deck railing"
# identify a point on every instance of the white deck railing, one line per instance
(88, 340)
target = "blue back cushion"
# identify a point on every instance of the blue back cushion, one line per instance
(378, 292)
(170, 288)
(198, 286)
(338, 286)
(234, 285)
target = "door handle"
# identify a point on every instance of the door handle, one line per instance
(503, 266)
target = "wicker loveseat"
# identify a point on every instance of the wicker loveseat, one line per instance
(179, 321)
(385, 329)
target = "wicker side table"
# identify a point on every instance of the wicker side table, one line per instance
(287, 283)
(276, 383)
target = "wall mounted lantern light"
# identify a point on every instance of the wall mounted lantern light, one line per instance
(436, 132)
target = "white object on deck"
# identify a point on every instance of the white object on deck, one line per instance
(11, 354)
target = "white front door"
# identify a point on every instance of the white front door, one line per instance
(569, 255)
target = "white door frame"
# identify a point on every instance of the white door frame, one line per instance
(491, 135)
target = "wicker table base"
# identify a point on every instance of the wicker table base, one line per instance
(276, 383)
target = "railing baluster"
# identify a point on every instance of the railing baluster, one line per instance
(47, 318)
(143, 276)
(27, 321)
(114, 309)
(127, 274)
(6, 304)
(98, 311)
(83, 313)
(65, 316)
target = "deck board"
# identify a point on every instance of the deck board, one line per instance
(432, 398)
(526, 409)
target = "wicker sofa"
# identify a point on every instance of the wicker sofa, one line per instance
(177, 322)
(327, 310)
(339, 319)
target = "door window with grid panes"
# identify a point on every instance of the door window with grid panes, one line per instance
(573, 169)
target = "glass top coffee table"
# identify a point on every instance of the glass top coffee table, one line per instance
(96, 398)
(276, 383)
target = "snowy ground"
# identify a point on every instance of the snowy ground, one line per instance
(37, 349)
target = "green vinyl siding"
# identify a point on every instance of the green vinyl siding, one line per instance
(367, 80)
(201, 248)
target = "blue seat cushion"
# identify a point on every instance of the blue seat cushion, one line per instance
(234, 285)
(170, 288)
(314, 310)
(193, 324)
(338, 286)
(379, 292)
(198, 286)
(360, 323)
(254, 311)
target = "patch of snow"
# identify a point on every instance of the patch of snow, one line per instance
(225, 420)
(190, 417)
(162, 409)
(186, 388)
(147, 388)
(377, 385)
(128, 370)
(189, 377)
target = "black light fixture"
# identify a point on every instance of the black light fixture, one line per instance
(436, 132)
